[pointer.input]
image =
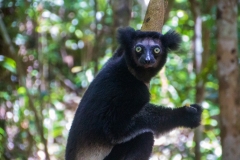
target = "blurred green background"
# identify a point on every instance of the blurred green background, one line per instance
(51, 50)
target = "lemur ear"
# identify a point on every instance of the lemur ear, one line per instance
(126, 36)
(171, 40)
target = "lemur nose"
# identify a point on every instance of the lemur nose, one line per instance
(147, 61)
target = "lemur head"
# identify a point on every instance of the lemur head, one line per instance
(146, 52)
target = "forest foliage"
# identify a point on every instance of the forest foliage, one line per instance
(58, 47)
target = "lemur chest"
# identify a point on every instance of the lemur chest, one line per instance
(97, 152)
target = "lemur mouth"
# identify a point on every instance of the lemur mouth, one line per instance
(148, 65)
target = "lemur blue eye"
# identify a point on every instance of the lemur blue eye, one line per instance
(157, 50)
(138, 49)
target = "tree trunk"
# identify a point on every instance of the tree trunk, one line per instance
(198, 54)
(201, 49)
(121, 16)
(121, 13)
(228, 76)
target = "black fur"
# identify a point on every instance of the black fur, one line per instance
(114, 118)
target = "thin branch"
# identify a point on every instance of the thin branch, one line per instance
(22, 81)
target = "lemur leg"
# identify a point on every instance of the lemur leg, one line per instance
(139, 148)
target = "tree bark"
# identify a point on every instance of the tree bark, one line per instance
(198, 54)
(121, 13)
(228, 76)
(121, 16)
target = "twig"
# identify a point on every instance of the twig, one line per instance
(22, 81)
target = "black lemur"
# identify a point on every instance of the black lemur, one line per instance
(114, 120)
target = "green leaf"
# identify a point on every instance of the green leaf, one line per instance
(21, 90)
(9, 64)
(4, 95)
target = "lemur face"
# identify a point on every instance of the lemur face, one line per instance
(147, 52)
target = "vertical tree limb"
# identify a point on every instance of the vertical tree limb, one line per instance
(122, 10)
(22, 82)
(154, 17)
(228, 76)
(198, 56)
